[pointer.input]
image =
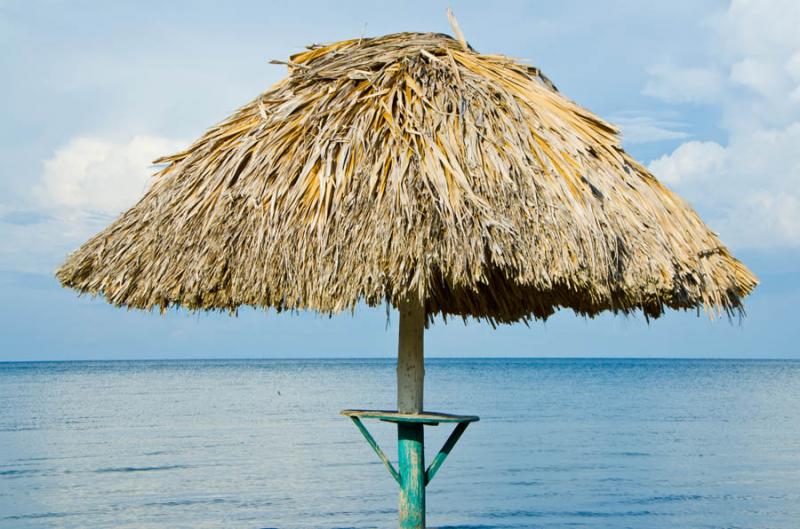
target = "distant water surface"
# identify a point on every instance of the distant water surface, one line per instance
(259, 444)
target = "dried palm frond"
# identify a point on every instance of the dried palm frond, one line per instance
(410, 165)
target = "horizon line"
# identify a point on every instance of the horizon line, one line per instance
(329, 358)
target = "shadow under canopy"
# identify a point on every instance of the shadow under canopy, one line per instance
(412, 170)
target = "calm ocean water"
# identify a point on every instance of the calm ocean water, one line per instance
(259, 444)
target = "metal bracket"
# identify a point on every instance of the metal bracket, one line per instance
(437, 462)
(374, 445)
(445, 451)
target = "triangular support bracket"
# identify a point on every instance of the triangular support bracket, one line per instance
(426, 418)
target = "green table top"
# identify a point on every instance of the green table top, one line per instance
(426, 417)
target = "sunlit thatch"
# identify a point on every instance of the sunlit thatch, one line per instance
(410, 165)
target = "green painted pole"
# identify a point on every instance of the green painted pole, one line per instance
(410, 436)
(411, 460)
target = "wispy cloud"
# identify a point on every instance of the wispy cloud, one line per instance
(638, 128)
(22, 217)
(683, 84)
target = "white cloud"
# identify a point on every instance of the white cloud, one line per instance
(693, 161)
(761, 77)
(748, 190)
(748, 187)
(93, 175)
(84, 185)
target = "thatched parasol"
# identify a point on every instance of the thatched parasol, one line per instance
(412, 170)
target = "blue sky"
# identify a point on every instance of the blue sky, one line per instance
(707, 93)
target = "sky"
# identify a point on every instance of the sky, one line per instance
(707, 94)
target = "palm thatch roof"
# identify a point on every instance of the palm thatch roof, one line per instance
(410, 165)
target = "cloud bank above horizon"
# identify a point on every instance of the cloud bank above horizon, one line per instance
(707, 95)
(748, 186)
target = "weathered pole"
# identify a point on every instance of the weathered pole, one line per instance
(410, 357)
(411, 420)
(410, 435)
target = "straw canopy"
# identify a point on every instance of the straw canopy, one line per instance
(410, 166)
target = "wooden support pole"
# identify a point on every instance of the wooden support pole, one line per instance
(411, 436)
(410, 359)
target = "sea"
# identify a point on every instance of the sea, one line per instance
(255, 444)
